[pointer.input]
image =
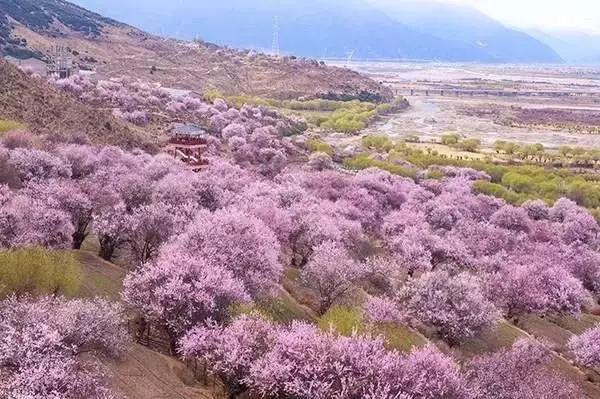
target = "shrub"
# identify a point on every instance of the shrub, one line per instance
(17, 139)
(360, 162)
(319, 161)
(496, 190)
(469, 145)
(37, 271)
(380, 143)
(412, 138)
(8, 125)
(506, 147)
(346, 122)
(450, 139)
(319, 146)
(344, 320)
(518, 182)
(352, 118)
(434, 174)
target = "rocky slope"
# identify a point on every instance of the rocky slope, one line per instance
(35, 28)
(46, 111)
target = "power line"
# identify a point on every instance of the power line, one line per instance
(275, 48)
(349, 59)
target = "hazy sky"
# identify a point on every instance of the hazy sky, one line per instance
(580, 15)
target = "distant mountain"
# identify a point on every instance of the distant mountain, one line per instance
(467, 25)
(41, 16)
(574, 47)
(312, 28)
(369, 29)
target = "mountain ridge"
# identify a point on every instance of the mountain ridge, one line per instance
(333, 29)
(467, 25)
(112, 49)
(573, 47)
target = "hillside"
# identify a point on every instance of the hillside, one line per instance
(466, 25)
(574, 47)
(369, 29)
(113, 49)
(53, 17)
(44, 110)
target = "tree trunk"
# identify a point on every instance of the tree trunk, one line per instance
(173, 340)
(173, 346)
(106, 253)
(234, 389)
(141, 330)
(78, 239)
(324, 306)
(107, 248)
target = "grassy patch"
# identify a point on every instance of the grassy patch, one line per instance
(364, 161)
(501, 337)
(544, 329)
(8, 125)
(449, 152)
(285, 309)
(346, 321)
(400, 337)
(576, 326)
(319, 146)
(292, 283)
(38, 271)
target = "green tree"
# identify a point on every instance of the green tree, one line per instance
(517, 182)
(470, 145)
(319, 146)
(380, 143)
(450, 139)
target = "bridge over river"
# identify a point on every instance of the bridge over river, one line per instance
(457, 92)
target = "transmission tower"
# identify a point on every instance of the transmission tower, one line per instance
(275, 48)
(61, 63)
(349, 59)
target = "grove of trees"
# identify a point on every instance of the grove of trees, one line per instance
(425, 252)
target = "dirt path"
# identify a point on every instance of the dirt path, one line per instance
(145, 374)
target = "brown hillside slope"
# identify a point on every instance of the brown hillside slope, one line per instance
(113, 48)
(145, 374)
(142, 373)
(44, 110)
